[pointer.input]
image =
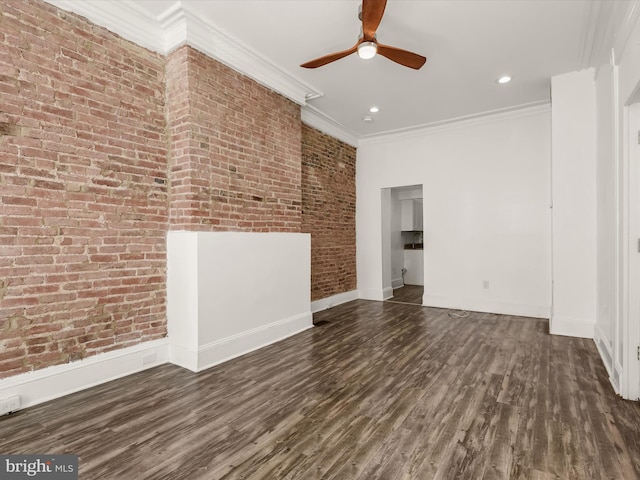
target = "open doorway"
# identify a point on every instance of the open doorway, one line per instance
(403, 244)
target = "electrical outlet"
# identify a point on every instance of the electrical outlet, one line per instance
(8, 405)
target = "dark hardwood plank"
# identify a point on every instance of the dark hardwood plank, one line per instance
(408, 294)
(382, 390)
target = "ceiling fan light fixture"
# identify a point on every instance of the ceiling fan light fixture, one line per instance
(367, 50)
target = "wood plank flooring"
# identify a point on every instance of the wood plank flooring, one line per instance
(408, 294)
(379, 391)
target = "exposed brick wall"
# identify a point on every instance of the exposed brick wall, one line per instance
(83, 199)
(104, 146)
(329, 211)
(235, 149)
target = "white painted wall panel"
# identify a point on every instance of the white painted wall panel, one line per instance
(252, 289)
(486, 189)
(574, 203)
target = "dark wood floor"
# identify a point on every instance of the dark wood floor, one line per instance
(408, 294)
(380, 391)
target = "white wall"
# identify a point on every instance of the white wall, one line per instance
(618, 226)
(573, 123)
(486, 190)
(397, 248)
(386, 210)
(231, 292)
(607, 204)
(627, 325)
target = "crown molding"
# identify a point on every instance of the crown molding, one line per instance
(124, 18)
(629, 21)
(179, 25)
(459, 122)
(607, 26)
(315, 118)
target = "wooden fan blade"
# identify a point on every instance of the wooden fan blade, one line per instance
(372, 11)
(403, 57)
(318, 62)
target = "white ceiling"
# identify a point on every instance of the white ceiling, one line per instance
(468, 44)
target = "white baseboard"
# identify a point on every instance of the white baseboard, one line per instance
(570, 327)
(53, 382)
(479, 305)
(397, 282)
(604, 348)
(333, 300)
(616, 380)
(387, 293)
(371, 294)
(240, 344)
(183, 357)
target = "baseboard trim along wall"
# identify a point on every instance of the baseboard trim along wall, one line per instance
(54, 382)
(240, 344)
(333, 300)
(604, 348)
(372, 294)
(570, 327)
(475, 305)
(387, 293)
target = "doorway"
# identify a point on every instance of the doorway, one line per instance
(403, 244)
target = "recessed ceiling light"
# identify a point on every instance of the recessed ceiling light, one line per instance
(368, 118)
(504, 79)
(374, 109)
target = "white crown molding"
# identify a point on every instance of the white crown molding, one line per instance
(607, 26)
(589, 28)
(315, 118)
(179, 25)
(182, 25)
(124, 18)
(458, 122)
(629, 22)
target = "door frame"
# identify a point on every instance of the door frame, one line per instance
(629, 331)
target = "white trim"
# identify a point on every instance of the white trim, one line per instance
(183, 357)
(480, 305)
(387, 293)
(630, 374)
(625, 29)
(572, 327)
(315, 118)
(54, 382)
(180, 25)
(459, 122)
(333, 300)
(125, 18)
(397, 283)
(589, 27)
(605, 350)
(615, 379)
(371, 294)
(604, 28)
(240, 344)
